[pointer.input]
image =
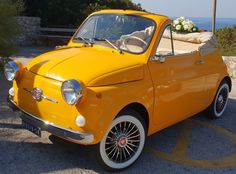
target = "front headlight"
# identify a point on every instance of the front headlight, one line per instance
(11, 70)
(72, 91)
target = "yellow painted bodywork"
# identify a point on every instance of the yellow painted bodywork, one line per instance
(170, 92)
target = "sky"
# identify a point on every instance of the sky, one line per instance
(190, 8)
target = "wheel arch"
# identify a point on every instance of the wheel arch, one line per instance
(139, 108)
(224, 78)
(229, 81)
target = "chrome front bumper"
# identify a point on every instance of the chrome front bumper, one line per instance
(78, 137)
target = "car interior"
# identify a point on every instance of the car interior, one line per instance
(136, 42)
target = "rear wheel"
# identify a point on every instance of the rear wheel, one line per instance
(123, 142)
(219, 104)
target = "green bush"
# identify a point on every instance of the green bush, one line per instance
(9, 29)
(227, 41)
(71, 13)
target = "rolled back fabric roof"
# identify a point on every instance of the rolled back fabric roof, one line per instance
(206, 40)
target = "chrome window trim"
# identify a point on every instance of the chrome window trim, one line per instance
(172, 42)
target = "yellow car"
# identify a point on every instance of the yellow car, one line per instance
(123, 76)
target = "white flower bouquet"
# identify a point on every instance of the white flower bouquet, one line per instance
(183, 25)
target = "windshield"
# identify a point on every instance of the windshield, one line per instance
(124, 32)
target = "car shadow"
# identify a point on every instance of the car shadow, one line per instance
(38, 157)
(10, 126)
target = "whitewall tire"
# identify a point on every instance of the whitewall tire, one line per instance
(218, 106)
(124, 142)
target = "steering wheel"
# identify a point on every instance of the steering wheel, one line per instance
(133, 37)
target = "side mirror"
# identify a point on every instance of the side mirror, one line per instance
(158, 57)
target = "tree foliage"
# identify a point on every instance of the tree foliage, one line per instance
(227, 41)
(9, 28)
(71, 12)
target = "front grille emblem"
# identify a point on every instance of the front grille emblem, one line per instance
(37, 95)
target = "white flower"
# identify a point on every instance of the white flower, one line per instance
(176, 22)
(184, 22)
(186, 27)
(181, 19)
(190, 25)
(178, 27)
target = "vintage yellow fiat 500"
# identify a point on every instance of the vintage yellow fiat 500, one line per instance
(123, 76)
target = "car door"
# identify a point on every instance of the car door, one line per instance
(178, 83)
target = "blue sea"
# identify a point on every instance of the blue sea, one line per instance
(206, 23)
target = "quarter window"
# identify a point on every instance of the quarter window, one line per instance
(166, 47)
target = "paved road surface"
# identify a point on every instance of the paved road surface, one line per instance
(197, 145)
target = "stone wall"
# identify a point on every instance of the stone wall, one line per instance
(30, 27)
(230, 61)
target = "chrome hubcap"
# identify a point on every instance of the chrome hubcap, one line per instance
(220, 98)
(122, 142)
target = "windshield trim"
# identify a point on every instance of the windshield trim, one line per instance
(154, 22)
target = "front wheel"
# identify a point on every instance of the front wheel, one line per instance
(219, 104)
(123, 142)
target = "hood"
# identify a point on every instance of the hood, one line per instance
(94, 66)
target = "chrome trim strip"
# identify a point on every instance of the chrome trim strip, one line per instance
(82, 138)
(49, 99)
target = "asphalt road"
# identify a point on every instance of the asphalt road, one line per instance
(197, 145)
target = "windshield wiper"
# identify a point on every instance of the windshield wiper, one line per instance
(109, 42)
(85, 40)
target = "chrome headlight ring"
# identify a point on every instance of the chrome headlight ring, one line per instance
(11, 70)
(72, 91)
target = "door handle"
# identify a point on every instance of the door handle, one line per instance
(159, 58)
(200, 62)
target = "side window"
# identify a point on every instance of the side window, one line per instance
(165, 47)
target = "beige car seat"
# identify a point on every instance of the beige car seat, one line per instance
(137, 41)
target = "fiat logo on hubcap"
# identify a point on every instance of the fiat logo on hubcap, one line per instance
(37, 94)
(122, 141)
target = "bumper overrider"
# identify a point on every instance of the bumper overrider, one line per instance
(78, 137)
